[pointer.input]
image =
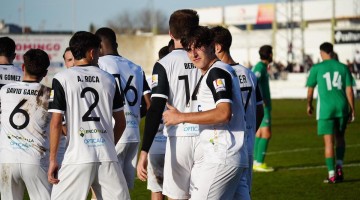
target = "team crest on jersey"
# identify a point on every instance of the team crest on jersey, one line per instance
(51, 98)
(154, 80)
(219, 85)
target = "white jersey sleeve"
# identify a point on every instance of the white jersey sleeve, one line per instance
(88, 96)
(24, 134)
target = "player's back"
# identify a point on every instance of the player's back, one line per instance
(131, 77)
(331, 77)
(175, 78)
(25, 123)
(88, 93)
(9, 73)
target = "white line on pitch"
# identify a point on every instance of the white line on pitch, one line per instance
(305, 149)
(315, 167)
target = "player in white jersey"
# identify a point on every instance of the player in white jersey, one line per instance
(8, 72)
(174, 78)
(221, 118)
(252, 101)
(133, 86)
(89, 98)
(24, 137)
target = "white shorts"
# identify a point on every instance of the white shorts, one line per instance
(155, 172)
(127, 156)
(183, 159)
(218, 181)
(16, 176)
(105, 178)
(244, 189)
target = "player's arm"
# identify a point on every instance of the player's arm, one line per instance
(119, 126)
(310, 94)
(350, 98)
(153, 117)
(55, 133)
(259, 107)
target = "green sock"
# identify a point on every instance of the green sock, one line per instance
(262, 147)
(256, 146)
(340, 152)
(330, 163)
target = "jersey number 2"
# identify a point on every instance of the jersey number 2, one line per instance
(86, 117)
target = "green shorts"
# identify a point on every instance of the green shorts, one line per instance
(330, 126)
(266, 121)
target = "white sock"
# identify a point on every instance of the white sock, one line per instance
(331, 173)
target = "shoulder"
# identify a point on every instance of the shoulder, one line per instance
(175, 56)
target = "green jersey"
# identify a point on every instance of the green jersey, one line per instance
(260, 70)
(332, 78)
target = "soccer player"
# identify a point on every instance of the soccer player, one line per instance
(89, 98)
(133, 86)
(8, 72)
(252, 101)
(24, 135)
(263, 135)
(174, 77)
(335, 107)
(222, 137)
(68, 58)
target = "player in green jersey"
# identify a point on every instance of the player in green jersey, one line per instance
(335, 107)
(263, 134)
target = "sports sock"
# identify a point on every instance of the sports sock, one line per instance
(330, 165)
(256, 147)
(340, 152)
(262, 147)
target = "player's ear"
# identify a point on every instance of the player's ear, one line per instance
(218, 48)
(23, 67)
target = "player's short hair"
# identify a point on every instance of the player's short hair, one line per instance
(222, 36)
(7, 47)
(107, 34)
(36, 62)
(201, 36)
(66, 50)
(182, 21)
(81, 42)
(171, 45)
(327, 47)
(163, 52)
(265, 52)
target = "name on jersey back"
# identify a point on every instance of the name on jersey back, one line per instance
(88, 79)
(24, 91)
(9, 77)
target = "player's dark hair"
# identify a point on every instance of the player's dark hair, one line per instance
(201, 36)
(81, 42)
(222, 36)
(327, 47)
(107, 34)
(265, 52)
(7, 47)
(36, 62)
(182, 21)
(66, 50)
(163, 52)
(171, 45)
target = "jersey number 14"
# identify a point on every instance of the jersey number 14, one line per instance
(335, 82)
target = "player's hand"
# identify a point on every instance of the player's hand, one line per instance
(171, 116)
(352, 117)
(52, 172)
(142, 166)
(310, 110)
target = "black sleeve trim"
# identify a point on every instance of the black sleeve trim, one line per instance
(220, 92)
(145, 84)
(152, 122)
(160, 84)
(118, 101)
(59, 102)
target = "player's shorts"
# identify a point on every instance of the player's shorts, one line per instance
(331, 126)
(218, 181)
(105, 178)
(244, 188)
(266, 121)
(155, 172)
(16, 176)
(127, 156)
(183, 159)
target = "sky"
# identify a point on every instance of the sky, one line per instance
(75, 15)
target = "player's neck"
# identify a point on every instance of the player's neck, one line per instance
(226, 58)
(30, 78)
(177, 44)
(4, 60)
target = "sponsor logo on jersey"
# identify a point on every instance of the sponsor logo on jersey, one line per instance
(19, 145)
(189, 66)
(219, 85)
(257, 74)
(94, 141)
(154, 80)
(51, 95)
(83, 132)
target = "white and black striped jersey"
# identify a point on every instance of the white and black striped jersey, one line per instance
(133, 86)
(24, 134)
(174, 78)
(251, 97)
(87, 96)
(223, 143)
(9, 74)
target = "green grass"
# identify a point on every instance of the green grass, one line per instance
(296, 153)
